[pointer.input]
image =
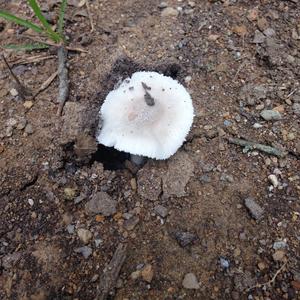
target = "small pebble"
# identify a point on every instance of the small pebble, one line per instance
(279, 245)
(185, 238)
(135, 275)
(70, 229)
(270, 115)
(273, 179)
(131, 223)
(254, 208)
(190, 282)
(30, 201)
(85, 251)
(257, 125)
(147, 273)
(161, 210)
(29, 129)
(28, 104)
(224, 263)
(259, 38)
(279, 255)
(169, 12)
(84, 235)
(14, 92)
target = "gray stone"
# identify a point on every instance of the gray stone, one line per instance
(131, 223)
(205, 178)
(254, 208)
(162, 5)
(85, 251)
(190, 282)
(169, 12)
(259, 38)
(269, 32)
(226, 177)
(296, 109)
(70, 229)
(253, 93)
(185, 238)
(180, 170)
(270, 115)
(224, 263)
(161, 210)
(29, 129)
(279, 245)
(149, 182)
(101, 203)
(9, 260)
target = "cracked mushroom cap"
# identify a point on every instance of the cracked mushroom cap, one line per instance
(149, 114)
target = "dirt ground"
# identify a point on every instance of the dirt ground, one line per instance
(208, 223)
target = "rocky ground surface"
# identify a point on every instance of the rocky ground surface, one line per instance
(218, 220)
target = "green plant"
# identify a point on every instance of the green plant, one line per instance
(43, 29)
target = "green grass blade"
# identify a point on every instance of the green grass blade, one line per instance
(26, 47)
(9, 17)
(61, 17)
(37, 11)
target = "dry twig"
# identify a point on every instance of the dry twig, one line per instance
(46, 84)
(22, 90)
(87, 3)
(32, 59)
(63, 91)
(252, 145)
(268, 283)
(111, 273)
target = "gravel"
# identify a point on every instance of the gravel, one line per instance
(190, 282)
(161, 210)
(180, 170)
(169, 12)
(85, 235)
(270, 115)
(185, 238)
(279, 245)
(85, 251)
(224, 263)
(254, 208)
(101, 203)
(131, 223)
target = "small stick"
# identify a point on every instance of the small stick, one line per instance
(111, 273)
(291, 93)
(239, 70)
(268, 283)
(63, 91)
(46, 84)
(87, 3)
(260, 147)
(23, 91)
(32, 59)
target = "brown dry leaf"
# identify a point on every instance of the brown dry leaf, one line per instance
(240, 30)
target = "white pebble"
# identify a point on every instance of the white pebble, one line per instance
(273, 179)
(257, 125)
(30, 201)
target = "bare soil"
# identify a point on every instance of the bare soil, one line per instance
(236, 58)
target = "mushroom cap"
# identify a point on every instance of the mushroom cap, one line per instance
(149, 114)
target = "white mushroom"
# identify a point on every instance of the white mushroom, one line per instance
(148, 115)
